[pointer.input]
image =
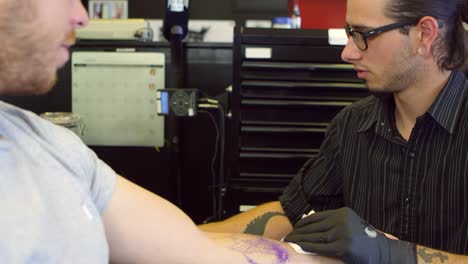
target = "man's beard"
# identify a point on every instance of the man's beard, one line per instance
(26, 68)
(31, 81)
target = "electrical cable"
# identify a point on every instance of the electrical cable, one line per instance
(209, 101)
(218, 188)
(220, 142)
(222, 188)
(214, 188)
(206, 106)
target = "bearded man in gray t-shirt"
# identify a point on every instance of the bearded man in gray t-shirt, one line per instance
(60, 203)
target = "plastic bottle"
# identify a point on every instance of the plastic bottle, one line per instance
(296, 17)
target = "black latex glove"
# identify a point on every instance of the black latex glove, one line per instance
(342, 233)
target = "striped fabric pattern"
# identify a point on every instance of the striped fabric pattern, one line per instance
(415, 189)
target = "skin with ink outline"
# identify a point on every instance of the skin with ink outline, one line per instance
(250, 260)
(280, 252)
(257, 226)
(251, 246)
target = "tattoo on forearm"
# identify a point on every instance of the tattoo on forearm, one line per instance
(428, 257)
(250, 260)
(260, 248)
(258, 225)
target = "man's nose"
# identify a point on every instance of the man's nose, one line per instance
(79, 15)
(351, 52)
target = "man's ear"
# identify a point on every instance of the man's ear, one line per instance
(428, 32)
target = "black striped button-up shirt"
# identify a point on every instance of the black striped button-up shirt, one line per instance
(415, 189)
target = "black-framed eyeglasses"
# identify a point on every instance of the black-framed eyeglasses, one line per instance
(360, 37)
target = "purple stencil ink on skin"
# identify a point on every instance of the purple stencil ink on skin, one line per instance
(250, 260)
(271, 247)
(281, 253)
(261, 246)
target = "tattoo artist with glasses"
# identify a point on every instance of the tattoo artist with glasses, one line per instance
(390, 182)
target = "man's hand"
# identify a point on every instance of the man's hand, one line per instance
(342, 233)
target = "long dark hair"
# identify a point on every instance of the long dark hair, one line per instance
(449, 50)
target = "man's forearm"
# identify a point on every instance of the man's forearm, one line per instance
(433, 256)
(266, 220)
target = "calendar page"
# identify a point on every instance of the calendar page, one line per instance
(114, 93)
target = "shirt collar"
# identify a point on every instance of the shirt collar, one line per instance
(447, 106)
(378, 113)
(445, 109)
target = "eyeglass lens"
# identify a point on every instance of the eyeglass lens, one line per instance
(358, 38)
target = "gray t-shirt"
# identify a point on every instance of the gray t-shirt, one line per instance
(53, 190)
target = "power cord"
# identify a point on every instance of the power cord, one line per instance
(218, 185)
(213, 187)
